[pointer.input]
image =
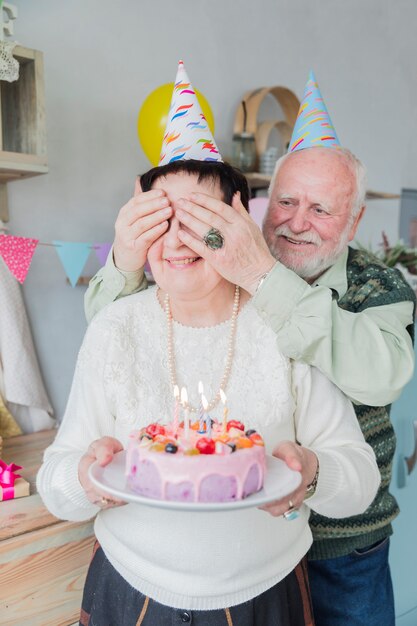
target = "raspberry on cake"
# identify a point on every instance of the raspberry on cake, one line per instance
(168, 463)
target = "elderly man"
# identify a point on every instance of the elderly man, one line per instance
(336, 308)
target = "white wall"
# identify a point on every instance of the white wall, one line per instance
(103, 58)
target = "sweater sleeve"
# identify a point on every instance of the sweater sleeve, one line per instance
(87, 418)
(368, 355)
(326, 423)
(110, 284)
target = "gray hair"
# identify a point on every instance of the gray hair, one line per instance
(355, 165)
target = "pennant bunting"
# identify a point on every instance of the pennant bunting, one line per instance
(73, 256)
(17, 253)
(102, 251)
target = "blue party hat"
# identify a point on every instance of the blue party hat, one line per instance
(313, 126)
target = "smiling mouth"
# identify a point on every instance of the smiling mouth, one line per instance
(297, 241)
(183, 261)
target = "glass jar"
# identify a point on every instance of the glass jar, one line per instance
(268, 160)
(244, 151)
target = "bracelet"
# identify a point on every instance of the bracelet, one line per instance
(262, 279)
(311, 488)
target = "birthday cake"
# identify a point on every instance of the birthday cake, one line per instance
(222, 464)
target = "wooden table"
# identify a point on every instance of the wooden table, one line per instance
(43, 560)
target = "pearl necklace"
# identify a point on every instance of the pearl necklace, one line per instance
(230, 351)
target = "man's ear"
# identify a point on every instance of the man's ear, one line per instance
(355, 224)
(138, 188)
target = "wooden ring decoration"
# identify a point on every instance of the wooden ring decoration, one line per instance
(264, 130)
(289, 104)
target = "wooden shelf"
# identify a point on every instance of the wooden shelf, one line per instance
(15, 166)
(261, 181)
(22, 124)
(257, 180)
(381, 195)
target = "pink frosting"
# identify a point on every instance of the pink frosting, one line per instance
(155, 473)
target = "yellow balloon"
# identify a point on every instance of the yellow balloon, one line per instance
(153, 115)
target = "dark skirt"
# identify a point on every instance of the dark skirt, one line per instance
(109, 600)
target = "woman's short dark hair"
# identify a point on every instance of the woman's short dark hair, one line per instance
(229, 178)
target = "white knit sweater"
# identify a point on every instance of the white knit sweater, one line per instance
(202, 560)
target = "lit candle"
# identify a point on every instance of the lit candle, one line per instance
(225, 411)
(184, 402)
(176, 408)
(207, 416)
(200, 408)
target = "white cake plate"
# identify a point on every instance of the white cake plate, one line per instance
(280, 481)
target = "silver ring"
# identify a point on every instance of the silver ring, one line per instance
(292, 512)
(213, 239)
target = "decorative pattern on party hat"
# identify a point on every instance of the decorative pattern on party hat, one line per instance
(187, 135)
(313, 126)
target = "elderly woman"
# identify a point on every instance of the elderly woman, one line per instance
(155, 566)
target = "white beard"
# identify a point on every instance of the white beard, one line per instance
(309, 268)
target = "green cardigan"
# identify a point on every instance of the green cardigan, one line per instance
(370, 284)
